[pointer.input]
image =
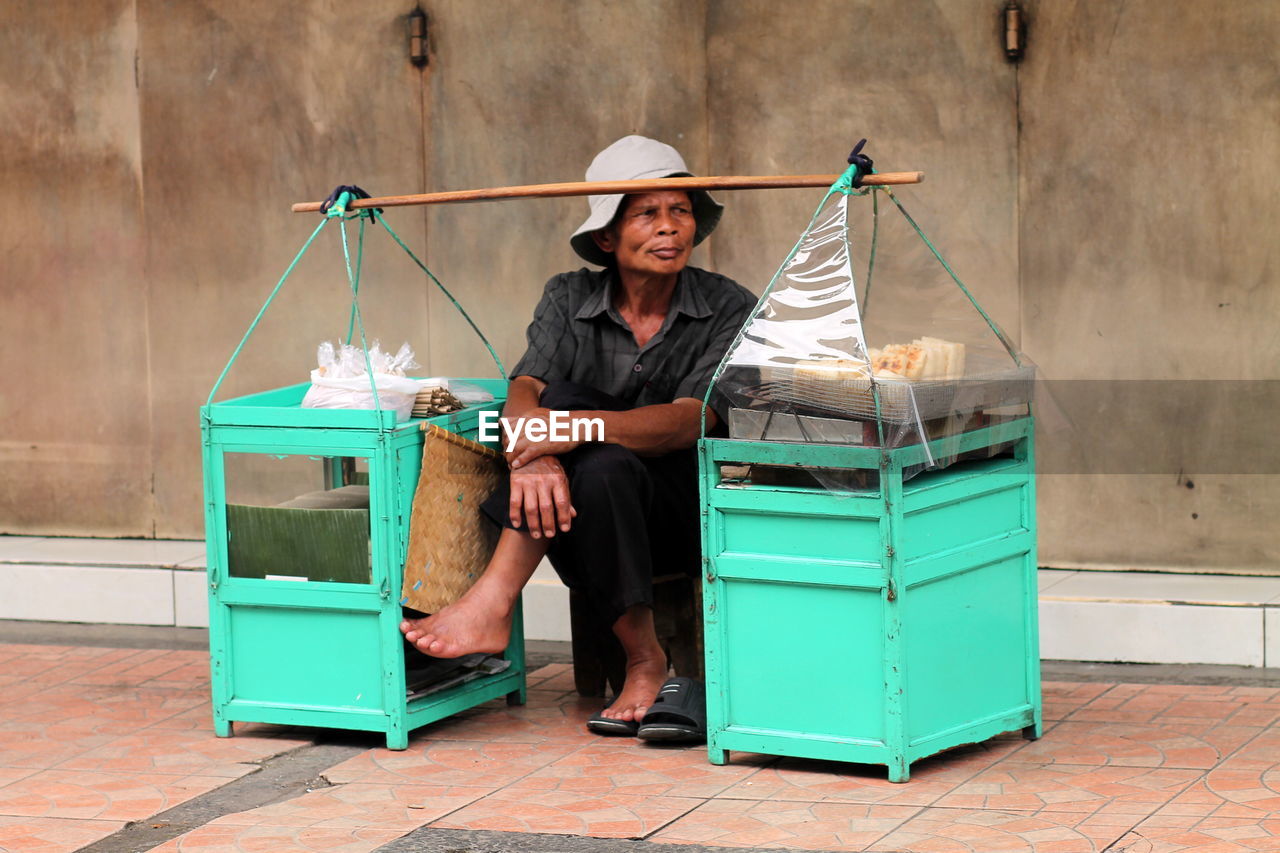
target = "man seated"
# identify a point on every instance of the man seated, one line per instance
(634, 345)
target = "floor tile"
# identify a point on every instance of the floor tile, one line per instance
(223, 838)
(104, 709)
(1188, 745)
(642, 771)
(1060, 699)
(102, 796)
(402, 807)
(954, 830)
(1079, 788)
(457, 763)
(50, 665)
(1183, 703)
(51, 835)
(1261, 753)
(1202, 820)
(537, 722)
(567, 813)
(31, 746)
(13, 774)
(807, 780)
(181, 752)
(1247, 783)
(788, 824)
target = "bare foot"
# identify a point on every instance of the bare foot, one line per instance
(645, 675)
(473, 623)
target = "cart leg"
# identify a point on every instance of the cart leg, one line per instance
(716, 755)
(222, 727)
(899, 770)
(397, 739)
(1033, 731)
(518, 697)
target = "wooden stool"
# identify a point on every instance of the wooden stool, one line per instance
(598, 660)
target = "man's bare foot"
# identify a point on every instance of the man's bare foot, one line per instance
(645, 675)
(473, 623)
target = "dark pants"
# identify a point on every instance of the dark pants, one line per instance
(637, 516)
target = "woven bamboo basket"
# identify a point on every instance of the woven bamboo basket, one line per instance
(450, 542)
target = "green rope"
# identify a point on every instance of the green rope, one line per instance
(999, 333)
(263, 310)
(501, 370)
(354, 281)
(871, 257)
(359, 264)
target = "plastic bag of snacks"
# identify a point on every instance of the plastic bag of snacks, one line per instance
(341, 381)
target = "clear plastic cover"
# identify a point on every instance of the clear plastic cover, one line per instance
(904, 357)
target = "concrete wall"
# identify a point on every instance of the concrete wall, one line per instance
(166, 140)
(1150, 156)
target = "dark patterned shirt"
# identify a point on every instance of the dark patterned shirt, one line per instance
(578, 334)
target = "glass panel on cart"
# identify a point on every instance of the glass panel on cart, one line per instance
(289, 518)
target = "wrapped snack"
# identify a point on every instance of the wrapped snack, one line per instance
(341, 379)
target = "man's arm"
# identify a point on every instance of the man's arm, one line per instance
(539, 494)
(647, 431)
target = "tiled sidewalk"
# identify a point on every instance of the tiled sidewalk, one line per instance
(92, 738)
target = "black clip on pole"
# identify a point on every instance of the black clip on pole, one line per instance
(862, 161)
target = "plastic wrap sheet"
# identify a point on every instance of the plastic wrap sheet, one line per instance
(911, 359)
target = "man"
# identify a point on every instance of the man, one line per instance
(633, 345)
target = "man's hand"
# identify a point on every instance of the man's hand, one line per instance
(540, 493)
(525, 451)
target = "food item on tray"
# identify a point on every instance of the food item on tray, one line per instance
(923, 358)
(837, 369)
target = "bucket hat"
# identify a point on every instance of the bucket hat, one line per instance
(637, 158)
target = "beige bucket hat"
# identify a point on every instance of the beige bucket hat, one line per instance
(637, 158)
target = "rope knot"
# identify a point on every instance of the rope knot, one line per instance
(336, 204)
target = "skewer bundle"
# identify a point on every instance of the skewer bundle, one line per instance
(434, 400)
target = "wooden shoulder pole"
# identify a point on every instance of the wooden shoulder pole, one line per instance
(578, 188)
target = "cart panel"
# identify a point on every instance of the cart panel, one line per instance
(823, 681)
(305, 657)
(965, 640)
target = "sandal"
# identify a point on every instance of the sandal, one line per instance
(602, 725)
(678, 715)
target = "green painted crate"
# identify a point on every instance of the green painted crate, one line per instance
(877, 626)
(325, 653)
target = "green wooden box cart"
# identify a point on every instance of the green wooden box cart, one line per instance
(869, 541)
(305, 601)
(326, 652)
(879, 626)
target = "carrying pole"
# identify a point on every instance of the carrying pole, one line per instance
(579, 188)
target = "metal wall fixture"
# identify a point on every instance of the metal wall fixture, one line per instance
(418, 37)
(1015, 31)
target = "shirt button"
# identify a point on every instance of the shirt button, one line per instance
(638, 368)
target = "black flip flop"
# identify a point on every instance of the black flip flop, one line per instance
(602, 725)
(678, 715)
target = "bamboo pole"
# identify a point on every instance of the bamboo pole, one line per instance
(578, 188)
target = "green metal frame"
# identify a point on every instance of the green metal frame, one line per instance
(318, 653)
(878, 626)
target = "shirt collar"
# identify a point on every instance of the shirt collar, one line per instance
(687, 300)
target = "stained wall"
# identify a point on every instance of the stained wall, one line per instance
(1108, 200)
